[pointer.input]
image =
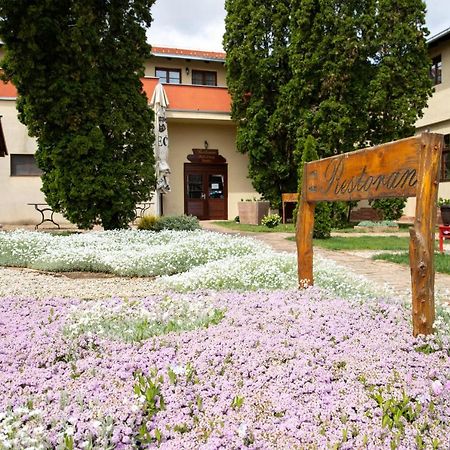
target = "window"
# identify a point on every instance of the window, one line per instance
(24, 166)
(168, 75)
(436, 70)
(445, 163)
(204, 78)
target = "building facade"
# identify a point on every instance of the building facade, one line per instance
(436, 118)
(208, 176)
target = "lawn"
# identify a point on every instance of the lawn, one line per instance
(364, 243)
(232, 225)
(441, 261)
(226, 354)
(290, 228)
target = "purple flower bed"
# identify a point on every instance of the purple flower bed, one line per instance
(282, 369)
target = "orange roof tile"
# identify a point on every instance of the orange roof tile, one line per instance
(170, 51)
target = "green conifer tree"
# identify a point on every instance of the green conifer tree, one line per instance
(351, 73)
(77, 65)
(322, 221)
(256, 42)
(360, 71)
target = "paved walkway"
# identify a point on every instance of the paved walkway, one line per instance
(396, 276)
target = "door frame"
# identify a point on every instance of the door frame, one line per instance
(206, 169)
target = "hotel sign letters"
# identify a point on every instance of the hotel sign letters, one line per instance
(405, 168)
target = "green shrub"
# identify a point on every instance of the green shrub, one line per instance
(340, 213)
(390, 208)
(322, 224)
(177, 223)
(271, 220)
(322, 214)
(147, 223)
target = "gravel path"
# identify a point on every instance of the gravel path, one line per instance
(34, 284)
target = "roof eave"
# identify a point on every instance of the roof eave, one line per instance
(441, 36)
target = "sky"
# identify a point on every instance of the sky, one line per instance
(199, 24)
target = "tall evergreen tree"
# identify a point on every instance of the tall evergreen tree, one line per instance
(322, 223)
(256, 42)
(77, 65)
(348, 72)
(361, 71)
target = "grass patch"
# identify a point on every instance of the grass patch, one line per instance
(232, 225)
(441, 261)
(364, 243)
(402, 227)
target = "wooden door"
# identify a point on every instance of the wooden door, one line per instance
(206, 191)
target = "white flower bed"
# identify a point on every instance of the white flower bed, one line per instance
(124, 253)
(270, 271)
(185, 261)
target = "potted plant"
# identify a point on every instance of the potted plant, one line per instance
(252, 211)
(444, 204)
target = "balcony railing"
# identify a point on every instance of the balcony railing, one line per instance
(187, 97)
(182, 97)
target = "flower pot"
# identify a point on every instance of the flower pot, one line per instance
(445, 214)
(251, 213)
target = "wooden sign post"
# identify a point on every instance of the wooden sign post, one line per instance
(405, 168)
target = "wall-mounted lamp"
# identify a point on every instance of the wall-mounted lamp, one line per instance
(206, 145)
(187, 70)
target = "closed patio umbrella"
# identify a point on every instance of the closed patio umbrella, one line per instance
(159, 102)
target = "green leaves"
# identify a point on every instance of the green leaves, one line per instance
(349, 73)
(77, 67)
(256, 42)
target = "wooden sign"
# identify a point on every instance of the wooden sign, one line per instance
(206, 156)
(405, 168)
(385, 171)
(287, 198)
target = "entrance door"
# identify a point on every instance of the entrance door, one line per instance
(206, 191)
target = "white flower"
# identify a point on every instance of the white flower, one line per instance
(242, 430)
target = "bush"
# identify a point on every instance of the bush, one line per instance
(390, 208)
(147, 223)
(271, 220)
(177, 223)
(322, 221)
(340, 212)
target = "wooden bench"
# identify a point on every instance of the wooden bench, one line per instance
(288, 198)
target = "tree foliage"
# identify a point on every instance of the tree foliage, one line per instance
(256, 43)
(322, 221)
(361, 71)
(350, 73)
(390, 208)
(76, 65)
